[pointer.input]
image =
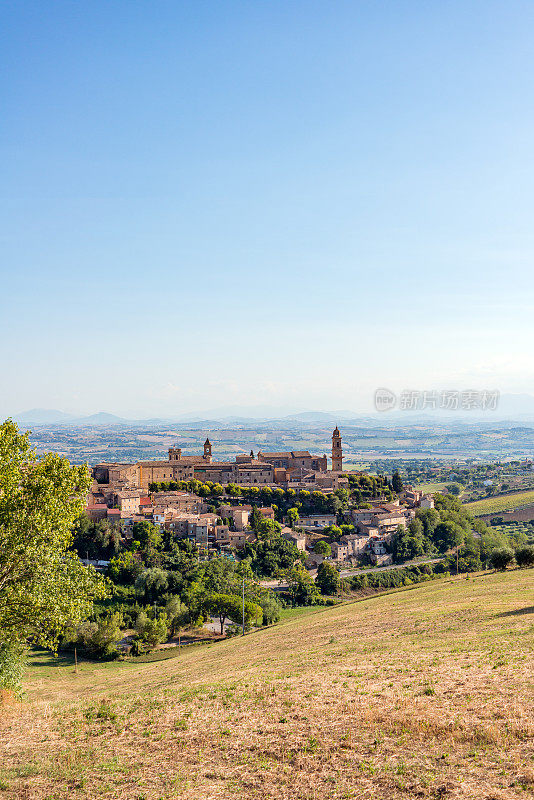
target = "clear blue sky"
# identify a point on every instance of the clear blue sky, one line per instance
(279, 202)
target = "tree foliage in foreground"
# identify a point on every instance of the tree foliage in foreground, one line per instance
(44, 588)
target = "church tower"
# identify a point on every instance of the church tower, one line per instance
(337, 452)
(207, 451)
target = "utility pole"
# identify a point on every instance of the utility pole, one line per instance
(243, 605)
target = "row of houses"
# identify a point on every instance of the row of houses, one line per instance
(115, 502)
(186, 515)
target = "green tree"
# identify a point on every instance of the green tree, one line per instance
(430, 519)
(125, 568)
(222, 576)
(152, 584)
(501, 558)
(525, 556)
(152, 631)
(226, 606)
(302, 589)
(100, 638)
(322, 548)
(147, 534)
(271, 609)
(327, 578)
(268, 529)
(343, 496)
(177, 614)
(396, 482)
(490, 541)
(448, 534)
(409, 542)
(44, 587)
(99, 540)
(256, 519)
(271, 555)
(293, 517)
(334, 532)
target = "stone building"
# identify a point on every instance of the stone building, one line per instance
(246, 470)
(337, 451)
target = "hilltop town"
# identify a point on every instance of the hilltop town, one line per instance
(212, 503)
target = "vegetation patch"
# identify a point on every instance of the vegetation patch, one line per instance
(418, 694)
(505, 502)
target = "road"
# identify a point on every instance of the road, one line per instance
(414, 563)
(346, 573)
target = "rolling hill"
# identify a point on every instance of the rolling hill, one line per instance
(423, 693)
(502, 502)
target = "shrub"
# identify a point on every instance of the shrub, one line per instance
(501, 558)
(525, 556)
(177, 614)
(152, 584)
(271, 610)
(152, 631)
(100, 638)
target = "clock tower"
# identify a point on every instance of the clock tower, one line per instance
(207, 451)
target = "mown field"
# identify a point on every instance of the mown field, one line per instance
(425, 693)
(505, 502)
(429, 488)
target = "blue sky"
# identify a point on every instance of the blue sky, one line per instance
(287, 203)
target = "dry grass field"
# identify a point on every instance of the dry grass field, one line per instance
(425, 693)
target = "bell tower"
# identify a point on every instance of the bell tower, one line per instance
(175, 454)
(337, 452)
(207, 451)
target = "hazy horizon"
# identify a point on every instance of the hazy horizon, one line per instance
(509, 406)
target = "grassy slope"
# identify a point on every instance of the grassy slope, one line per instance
(432, 487)
(423, 693)
(505, 502)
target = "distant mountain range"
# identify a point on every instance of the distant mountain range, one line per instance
(42, 416)
(51, 416)
(512, 408)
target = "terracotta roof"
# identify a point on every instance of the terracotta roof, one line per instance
(277, 455)
(214, 464)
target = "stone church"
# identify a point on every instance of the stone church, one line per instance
(262, 469)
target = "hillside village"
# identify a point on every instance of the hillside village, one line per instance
(157, 675)
(217, 517)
